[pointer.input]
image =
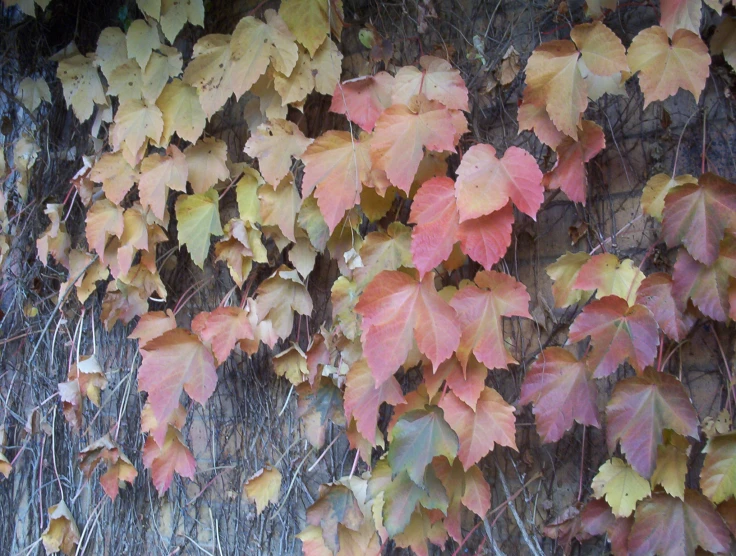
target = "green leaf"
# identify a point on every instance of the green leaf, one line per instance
(198, 217)
(418, 437)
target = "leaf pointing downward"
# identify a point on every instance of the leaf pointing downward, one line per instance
(223, 328)
(173, 362)
(562, 391)
(198, 217)
(618, 333)
(400, 135)
(397, 310)
(418, 437)
(336, 165)
(621, 485)
(480, 309)
(698, 215)
(641, 407)
(491, 423)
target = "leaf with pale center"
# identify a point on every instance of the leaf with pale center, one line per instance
(336, 165)
(401, 133)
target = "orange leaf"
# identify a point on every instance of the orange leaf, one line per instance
(491, 423)
(363, 399)
(569, 173)
(438, 81)
(223, 328)
(172, 457)
(336, 165)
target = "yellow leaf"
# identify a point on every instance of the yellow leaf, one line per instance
(554, 81)
(141, 40)
(152, 8)
(246, 192)
(32, 92)
(273, 145)
(62, 533)
(115, 174)
(600, 48)
(198, 217)
(182, 113)
(667, 67)
(263, 488)
(176, 13)
(135, 123)
(210, 72)
(207, 163)
(255, 43)
(621, 486)
(309, 20)
(671, 470)
(112, 50)
(292, 364)
(103, 219)
(159, 69)
(280, 206)
(125, 81)
(81, 84)
(320, 73)
(718, 476)
(302, 255)
(657, 188)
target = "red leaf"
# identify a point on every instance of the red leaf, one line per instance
(486, 183)
(487, 238)
(562, 391)
(173, 362)
(492, 422)
(618, 333)
(435, 214)
(434, 211)
(667, 525)
(641, 407)
(172, 457)
(439, 81)
(569, 173)
(655, 293)
(706, 286)
(698, 215)
(362, 399)
(397, 310)
(480, 308)
(363, 99)
(223, 328)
